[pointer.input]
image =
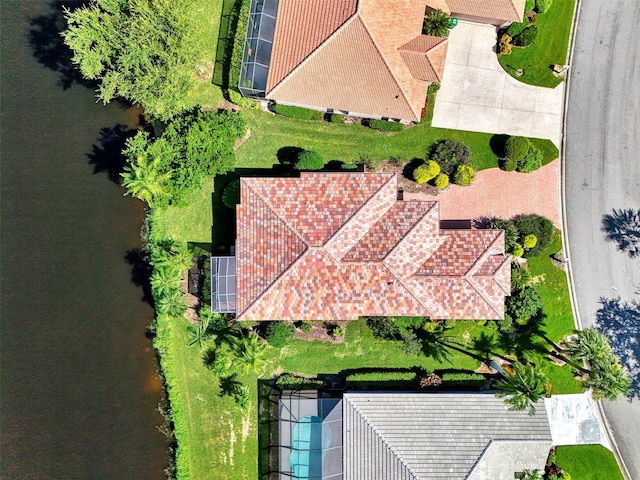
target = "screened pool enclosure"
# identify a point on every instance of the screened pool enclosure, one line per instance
(257, 48)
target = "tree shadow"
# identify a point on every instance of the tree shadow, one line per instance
(48, 45)
(106, 156)
(620, 322)
(408, 169)
(226, 37)
(289, 155)
(230, 386)
(141, 271)
(622, 227)
(497, 143)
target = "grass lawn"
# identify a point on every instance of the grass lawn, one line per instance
(550, 47)
(351, 143)
(588, 462)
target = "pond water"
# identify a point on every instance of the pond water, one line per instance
(79, 389)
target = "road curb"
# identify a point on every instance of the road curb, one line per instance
(565, 243)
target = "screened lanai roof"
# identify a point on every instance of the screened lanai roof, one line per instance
(310, 436)
(223, 284)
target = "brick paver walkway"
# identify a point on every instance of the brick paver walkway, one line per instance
(502, 194)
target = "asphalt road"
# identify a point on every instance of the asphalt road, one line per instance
(602, 155)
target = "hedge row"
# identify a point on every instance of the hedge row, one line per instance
(298, 112)
(389, 379)
(288, 380)
(463, 380)
(385, 126)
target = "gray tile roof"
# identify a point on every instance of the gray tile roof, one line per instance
(420, 436)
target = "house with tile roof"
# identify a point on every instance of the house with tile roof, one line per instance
(408, 436)
(338, 246)
(366, 58)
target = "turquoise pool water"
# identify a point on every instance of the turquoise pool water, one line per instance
(306, 453)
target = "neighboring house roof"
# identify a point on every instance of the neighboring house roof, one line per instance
(337, 246)
(365, 56)
(501, 10)
(420, 436)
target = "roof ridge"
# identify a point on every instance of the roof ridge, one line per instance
(482, 293)
(410, 291)
(482, 258)
(383, 439)
(315, 51)
(393, 176)
(384, 60)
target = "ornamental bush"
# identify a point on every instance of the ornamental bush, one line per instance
(279, 334)
(337, 118)
(509, 165)
(516, 148)
(510, 232)
(426, 172)
(526, 37)
(385, 126)
(383, 327)
(463, 175)
(517, 251)
(523, 304)
(449, 154)
(309, 160)
(543, 6)
(532, 161)
(441, 181)
(529, 241)
(539, 226)
(529, 5)
(298, 112)
(517, 27)
(436, 23)
(231, 194)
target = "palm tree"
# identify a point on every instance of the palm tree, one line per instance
(172, 304)
(164, 280)
(523, 387)
(608, 379)
(588, 345)
(436, 23)
(145, 180)
(199, 333)
(250, 351)
(520, 277)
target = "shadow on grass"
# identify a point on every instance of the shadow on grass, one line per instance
(497, 143)
(620, 322)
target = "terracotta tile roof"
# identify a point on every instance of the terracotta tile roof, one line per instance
(502, 10)
(357, 68)
(330, 246)
(425, 56)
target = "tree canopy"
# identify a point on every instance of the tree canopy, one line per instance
(146, 51)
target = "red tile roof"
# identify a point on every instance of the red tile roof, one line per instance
(332, 246)
(345, 55)
(492, 10)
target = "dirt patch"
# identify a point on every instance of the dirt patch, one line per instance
(321, 331)
(405, 184)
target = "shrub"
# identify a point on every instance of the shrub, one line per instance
(349, 166)
(463, 175)
(385, 126)
(337, 118)
(517, 27)
(532, 161)
(505, 48)
(441, 181)
(449, 154)
(518, 251)
(455, 379)
(383, 327)
(309, 160)
(516, 148)
(298, 112)
(305, 326)
(411, 345)
(433, 88)
(526, 37)
(426, 172)
(529, 5)
(529, 241)
(539, 226)
(279, 334)
(510, 231)
(509, 164)
(231, 194)
(436, 23)
(337, 332)
(523, 304)
(287, 380)
(543, 6)
(520, 277)
(389, 379)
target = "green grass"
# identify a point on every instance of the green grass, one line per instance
(550, 47)
(588, 462)
(351, 143)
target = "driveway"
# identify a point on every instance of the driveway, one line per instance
(495, 192)
(478, 95)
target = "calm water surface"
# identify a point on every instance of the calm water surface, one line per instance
(78, 385)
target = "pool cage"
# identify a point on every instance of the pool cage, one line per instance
(310, 436)
(257, 48)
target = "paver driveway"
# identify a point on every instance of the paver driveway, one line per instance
(503, 194)
(478, 95)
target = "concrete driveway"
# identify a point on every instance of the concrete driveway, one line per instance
(478, 95)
